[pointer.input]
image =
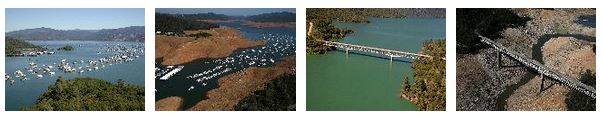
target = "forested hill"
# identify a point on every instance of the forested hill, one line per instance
(362, 14)
(273, 17)
(133, 33)
(204, 16)
(14, 46)
(90, 94)
(171, 23)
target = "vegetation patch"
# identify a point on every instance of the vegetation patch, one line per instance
(16, 46)
(90, 94)
(280, 95)
(66, 48)
(429, 89)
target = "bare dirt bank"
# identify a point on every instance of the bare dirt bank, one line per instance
(567, 55)
(235, 87)
(169, 104)
(270, 24)
(222, 42)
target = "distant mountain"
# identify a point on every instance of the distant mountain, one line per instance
(133, 33)
(273, 17)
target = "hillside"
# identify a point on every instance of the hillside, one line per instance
(273, 17)
(14, 46)
(361, 15)
(133, 33)
(203, 16)
(320, 22)
(171, 23)
(91, 94)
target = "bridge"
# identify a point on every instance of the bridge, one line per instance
(540, 68)
(391, 53)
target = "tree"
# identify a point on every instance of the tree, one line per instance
(85, 94)
(429, 75)
(406, 84)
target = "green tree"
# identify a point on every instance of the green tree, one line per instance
(90, 94)
(429, 75)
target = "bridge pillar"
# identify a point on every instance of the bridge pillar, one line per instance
(391, 58)
(499, 59)
(346, 51)
(542, 82)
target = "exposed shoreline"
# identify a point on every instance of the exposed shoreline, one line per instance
(513, 87)
(270, 24)
(222, 42)
(217, 21)
(235, 87)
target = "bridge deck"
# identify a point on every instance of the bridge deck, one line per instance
(542, 69)
(388, 52)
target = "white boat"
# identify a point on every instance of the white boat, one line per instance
(171, 73)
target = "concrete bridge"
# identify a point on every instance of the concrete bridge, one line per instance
(391, 53)
(543, 70)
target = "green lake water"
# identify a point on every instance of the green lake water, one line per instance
(361, 81)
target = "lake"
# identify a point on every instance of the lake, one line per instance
(200, 76)
(24, 93)
(362, 81)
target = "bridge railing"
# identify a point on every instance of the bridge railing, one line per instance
(376, 50)
(540, 68)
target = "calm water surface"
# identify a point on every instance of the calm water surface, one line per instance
(23, 93)
(198, 77)
(336, 81)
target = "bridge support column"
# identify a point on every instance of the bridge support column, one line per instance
(391, 58)
(346, 51)
(499, 64)
(542, 82)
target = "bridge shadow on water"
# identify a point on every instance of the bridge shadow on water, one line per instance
(396, 59)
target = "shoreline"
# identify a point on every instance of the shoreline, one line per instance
(237, 86)
(217, 21)
(223, 41)
(270, 24)
(256, 77)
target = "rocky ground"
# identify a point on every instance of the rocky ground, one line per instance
(567, 55)
(555, 21)
(481, 82)
(481, 85)
(235, 87)
(222, 42)
(564, 54)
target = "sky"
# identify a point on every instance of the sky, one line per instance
(73, 18)
(225, 11)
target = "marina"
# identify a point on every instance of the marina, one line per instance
(198, 77)
(29, 76)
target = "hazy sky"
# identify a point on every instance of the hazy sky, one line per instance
(73, 18)
(226, 11)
